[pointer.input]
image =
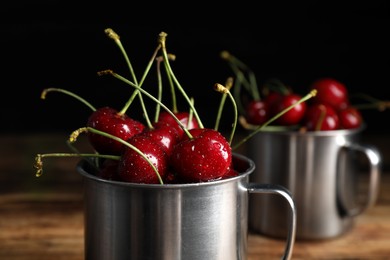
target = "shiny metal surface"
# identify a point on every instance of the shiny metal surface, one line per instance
(320, 170)
(174, 221)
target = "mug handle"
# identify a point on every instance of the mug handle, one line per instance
(374, 161)
(285, 193)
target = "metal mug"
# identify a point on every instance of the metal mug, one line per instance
(320, 169)
(206, 220)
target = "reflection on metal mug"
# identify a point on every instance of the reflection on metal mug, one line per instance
(206, 220)
(321, 170)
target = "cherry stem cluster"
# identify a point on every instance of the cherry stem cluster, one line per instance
(110, 33)
(162, 41)
(110, 72)
(244, 77)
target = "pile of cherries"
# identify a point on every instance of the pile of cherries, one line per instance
(329, 109)
(174, 147)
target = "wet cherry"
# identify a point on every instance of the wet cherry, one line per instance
(134, 168)
(204, 157)
(256, 112)
(331, 92)
(184, 118)
(293, 116)
(350, 118)
(108, 120)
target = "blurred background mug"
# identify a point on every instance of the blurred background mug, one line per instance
(188, 221)
(321, 169)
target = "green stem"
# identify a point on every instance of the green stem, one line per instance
(381, 105)
(225, 91)
(190, 114)
(162, 39)
(38, 165)
(237, 95)
(172, 85)
(47, 90)
(229, 84)
(159, 84)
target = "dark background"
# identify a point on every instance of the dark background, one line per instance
(63, 45)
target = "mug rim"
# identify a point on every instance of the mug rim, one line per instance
(296, 132)
(83, 164)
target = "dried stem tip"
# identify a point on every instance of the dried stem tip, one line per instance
(113, 35)
(76, 133)
(38, 165)
(225, 55)
(220, 88)
(105, 72)
(162, 38)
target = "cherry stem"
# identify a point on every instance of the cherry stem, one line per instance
(47, 90)
(321, 118)
(110, 72)
(237, 65)
(159, 81)
(220, 88)
(275, 85)
(110, 33)
(311, 94)
(381, 105)
(38, 165)
(76, 133)
(75, 150)
(236, 93)
(114, 36)
(277, 128)
(228, 85)
(162, 39)
(190, 114)
(171, 84)
(159, 84)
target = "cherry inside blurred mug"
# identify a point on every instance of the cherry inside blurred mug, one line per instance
(321, 170)
(207, 220)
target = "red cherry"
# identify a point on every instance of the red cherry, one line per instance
(134, 168)
(207, 156)
(256, 112)
(321, 117)
(108, 120)
(331, 92)
(164, 134)
(293, 116)
(183, 117)
(272, 99)
(350, 118)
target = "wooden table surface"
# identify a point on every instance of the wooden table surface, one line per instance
(42, 218)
